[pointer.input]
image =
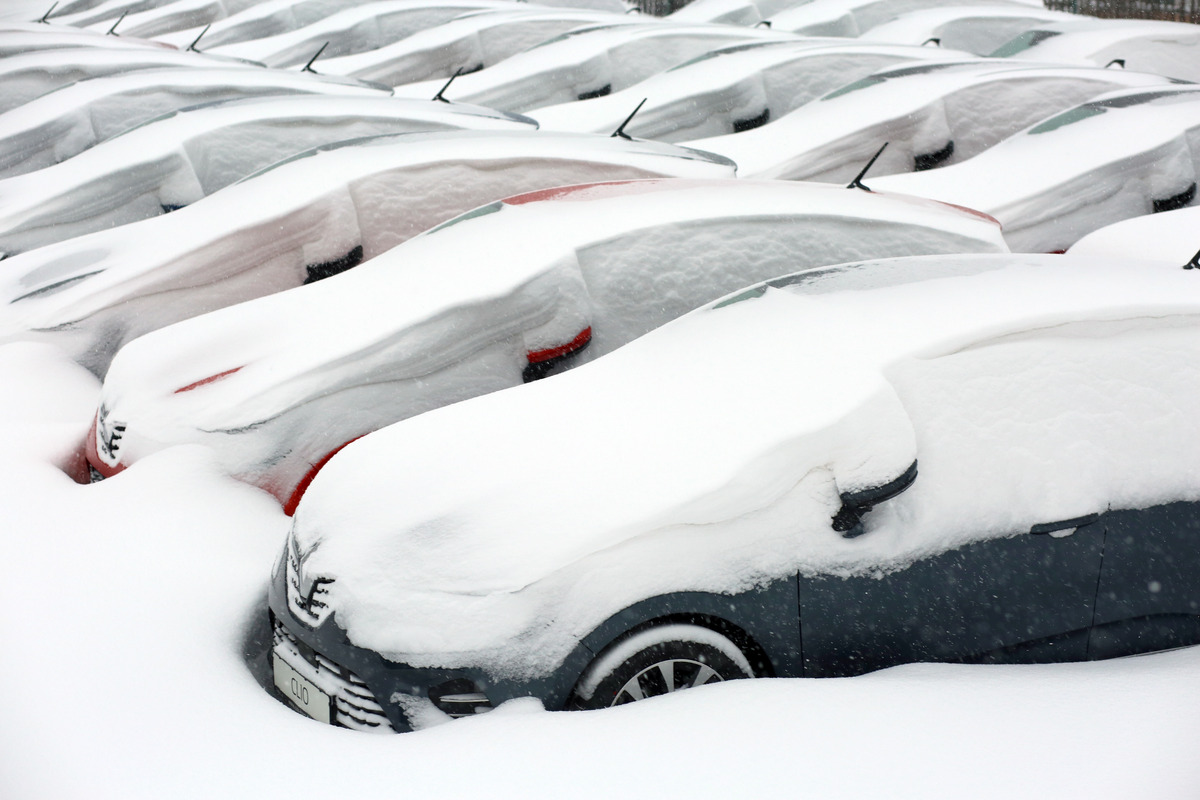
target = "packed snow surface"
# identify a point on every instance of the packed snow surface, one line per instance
(978, 29)
(296, 222)
(67, 121)
(733, 88)
(1172, 236)
(177, 159)
(1101, 162)
(931, 114)
(1003, 376)
(454, 313)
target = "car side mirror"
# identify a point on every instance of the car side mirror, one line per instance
(855, 504)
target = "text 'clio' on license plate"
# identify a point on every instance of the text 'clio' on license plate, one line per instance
(303, 693)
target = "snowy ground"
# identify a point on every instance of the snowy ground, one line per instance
(128, 606)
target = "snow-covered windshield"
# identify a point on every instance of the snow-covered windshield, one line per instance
(1098, 107)
(1025, 41)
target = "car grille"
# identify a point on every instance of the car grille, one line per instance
(354, 704)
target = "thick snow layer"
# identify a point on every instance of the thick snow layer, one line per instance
(929, 114)
(1028, 388)
(33, 74)
(103, 15)
(259, 21)
(17, 38)
(152, 588)
(1165, 48)
(1172, 236)
(855, 17)
(454, 313)
(978, 29)
(67, 121)
(732, 88)
(295, 221)
(1098, 163)
(589, 62)
(176, 160)
(179, 15)
(353, 30)
(467, 44)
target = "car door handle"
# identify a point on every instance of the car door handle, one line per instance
(1063, 525)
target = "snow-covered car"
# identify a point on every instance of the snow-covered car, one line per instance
(506, 293)
(930, 114)
(297, 222)
(958, 459)
(853, 18)
(588, 62)
(1166, 48)
(29, 75)
(464, 45)
(1122, 155)
(175, 160)
(67, 121)
(1172, 236)
(978, 29)
(177, 15)
(733, 89)
(17, 38)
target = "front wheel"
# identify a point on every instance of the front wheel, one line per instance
(657, 661)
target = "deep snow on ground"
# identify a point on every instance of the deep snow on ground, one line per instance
(127, 606)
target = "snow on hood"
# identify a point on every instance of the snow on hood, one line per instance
(67, 121)
(33, 74)
(454, 312)
(588, 62)
(1161, 47)
(929, 114)
(102, 15)
(469, 43)
(1172, 236)
(259, 21)
(726, 12)
(977, 29)
(850, 17)
(353, 30)
(179, 15)
(1109, 159)
(297, 221)
(17, 38)
(709, 455)
(175, 160)
(733, 88)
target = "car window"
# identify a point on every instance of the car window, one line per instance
(1023, 42)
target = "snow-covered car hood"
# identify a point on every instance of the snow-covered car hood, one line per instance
(978, 29)
(710, 454)
(733, 88)
(177, 159)
(1118, 156)
(930, 114)
(465, 308)
(297, 221)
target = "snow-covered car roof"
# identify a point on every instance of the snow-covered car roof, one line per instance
(298, 221)
(1166, 48)
(471, 305)
(852, 17)
(467, 44)
(588, 62)
(67, 121)
(29, 75)
(1121, 155)
(1172, 236)
(710, 454)
(353, 30)
(929, 114)
(176, 159)
(733, 88)
(978, 29)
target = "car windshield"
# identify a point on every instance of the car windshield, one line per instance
(900, 72)
(1098, 107)
(1025, 41)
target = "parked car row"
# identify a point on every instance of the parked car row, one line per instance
(571, 414)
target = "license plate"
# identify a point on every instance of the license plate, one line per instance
(303, 693)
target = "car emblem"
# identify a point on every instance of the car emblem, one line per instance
(109, 434)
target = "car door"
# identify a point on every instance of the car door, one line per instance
(1149, 596)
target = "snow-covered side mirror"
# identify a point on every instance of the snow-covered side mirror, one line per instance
(855, 504)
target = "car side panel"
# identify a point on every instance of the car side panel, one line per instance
(1149, 596)
(1026, 598)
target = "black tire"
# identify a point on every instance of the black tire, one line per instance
(657, 661)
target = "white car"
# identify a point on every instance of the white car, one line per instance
(978, 29)
(1165, 48)
(1122, 155)
(733, 89)
(67, 121)
(588, 62)
(930, 114)
(175, 160)
(959, 459)
(297, 222)
(506, 293)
